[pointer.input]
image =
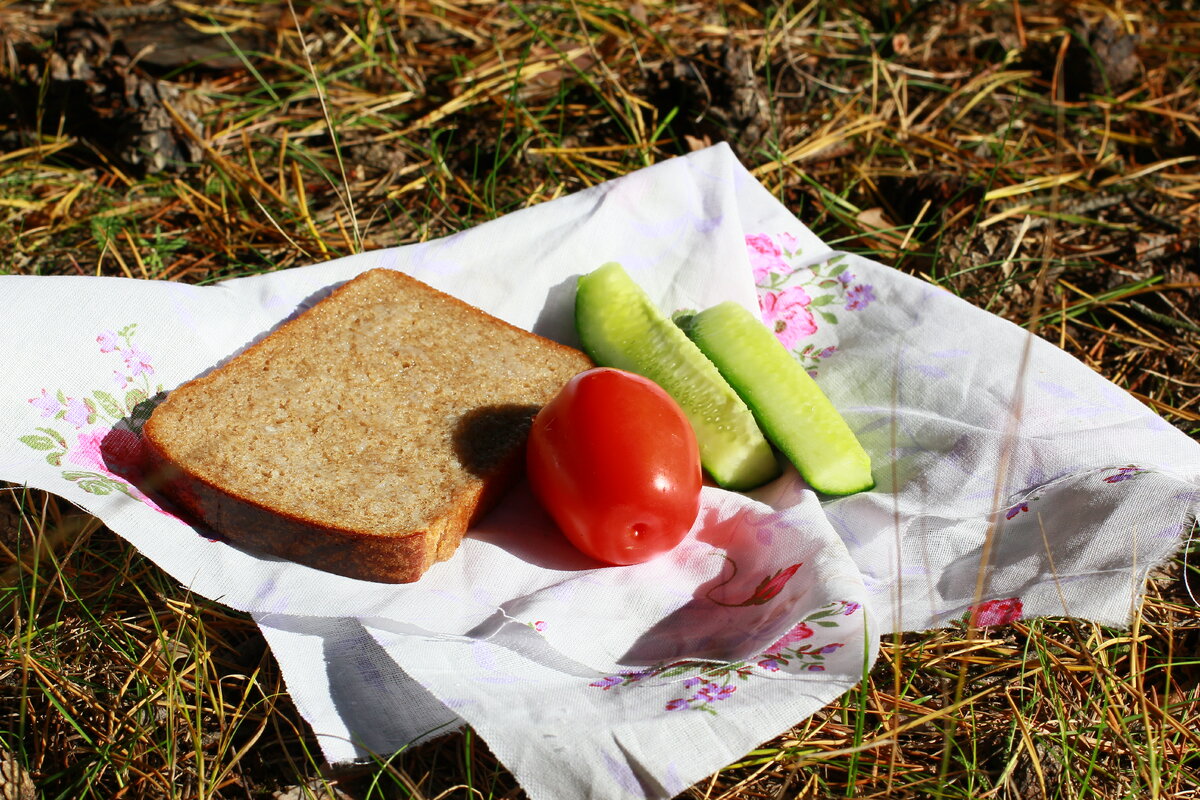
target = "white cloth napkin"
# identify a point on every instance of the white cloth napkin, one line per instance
(1012, 482)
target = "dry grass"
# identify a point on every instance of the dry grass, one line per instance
(1041, 160)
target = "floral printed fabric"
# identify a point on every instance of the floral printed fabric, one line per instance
(800, 302)
(100, 431)
(774, 603)
(945, 449)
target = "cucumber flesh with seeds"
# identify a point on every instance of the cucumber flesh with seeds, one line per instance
(793, 411)
(620, 327)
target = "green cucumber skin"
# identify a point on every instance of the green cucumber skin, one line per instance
(620, 327)
(789, 406)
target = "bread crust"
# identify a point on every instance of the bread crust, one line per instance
(344, 550)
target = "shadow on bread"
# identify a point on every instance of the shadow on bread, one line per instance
(484, 437)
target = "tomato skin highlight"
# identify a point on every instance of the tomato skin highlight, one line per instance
(615, 462)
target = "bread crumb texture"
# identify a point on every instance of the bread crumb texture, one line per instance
(380, 410)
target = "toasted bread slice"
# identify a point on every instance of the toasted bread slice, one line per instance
(363, 437)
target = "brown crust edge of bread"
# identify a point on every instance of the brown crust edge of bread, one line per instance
(354, 554)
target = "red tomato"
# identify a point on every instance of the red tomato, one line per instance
(615, 462)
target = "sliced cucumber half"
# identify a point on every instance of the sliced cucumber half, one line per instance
(620, 327)
(793, 411)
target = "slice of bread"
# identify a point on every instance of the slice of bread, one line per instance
(363, 437)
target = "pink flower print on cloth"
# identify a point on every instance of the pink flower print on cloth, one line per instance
(100, 452)
(996, 612)
(786, 642)
(766, 590)
(136, 361)
(108, 341)
(1017, 509)
(765, 256)
(114, 451)
(1125, 473)
(801, 300)
(87, 450)
(787, 313)
(709, 692)
(46, 404)
(859, 296)
(78, 413)
(608, 682)
(706, 683)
